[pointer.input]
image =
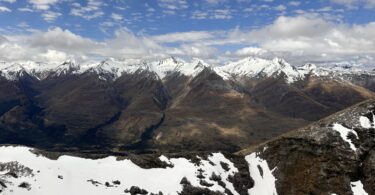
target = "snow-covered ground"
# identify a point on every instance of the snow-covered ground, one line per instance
(77, 176)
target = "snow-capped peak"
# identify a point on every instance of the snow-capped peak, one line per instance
(253, 67)
(67, 67)
(12, 71)
(114, 67)
(165, 66)
(168, 61)
(312, 69)
(309, 67)
(193, 68)
(169, 65)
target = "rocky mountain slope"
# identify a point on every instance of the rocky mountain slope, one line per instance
(334, 155)
(168, 105)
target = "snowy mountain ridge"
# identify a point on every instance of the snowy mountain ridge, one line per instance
(248, 67)
(252, 67)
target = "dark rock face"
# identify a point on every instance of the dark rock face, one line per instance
(134, 190)
(25, 185)
(316, 159)
(139, 112)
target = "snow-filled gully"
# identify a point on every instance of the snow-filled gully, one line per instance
(264, 181)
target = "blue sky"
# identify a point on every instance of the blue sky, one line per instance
(190, 28)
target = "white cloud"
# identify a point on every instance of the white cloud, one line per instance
(59, 39)
(3, 39)
(23, 25)
(43, 4)
(370, 3)
(173, 4)
(116, 17)
(301, 38)
(310, 36)
(325, 9)
(303, 25)
(50, 16)
(91, 10)
(199, 15)
(59, 43)
(221, 14)
(4, 9)
(125, 43)
(54, 56)
(8, 1)
(212, 14)
(315, 35)
(250, 51)
(280, 8)
(295, 3)
(215, 2)
(345, 2)
(197, 50)
(149, 8)
(356, 3)
(193, 36)
(25, 9)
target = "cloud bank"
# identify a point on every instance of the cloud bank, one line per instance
(300, 39)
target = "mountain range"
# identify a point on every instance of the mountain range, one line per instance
(135, 105)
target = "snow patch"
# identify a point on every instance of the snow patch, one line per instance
(357, 188)
(344, 132)
(74, 175)
(264, 181)
(365, 122)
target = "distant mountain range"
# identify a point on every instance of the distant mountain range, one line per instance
(249, 67)
(169, 105)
